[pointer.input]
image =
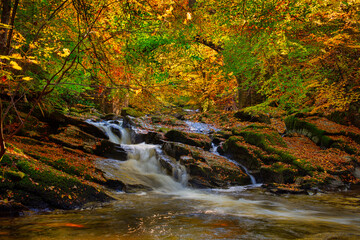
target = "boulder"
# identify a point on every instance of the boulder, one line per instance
(119, 179)
(57, 120)
(127, 111)
(72, 137)
(252, 117)
(206, 169)
(111, 150)
(193, 139)
(11, 209)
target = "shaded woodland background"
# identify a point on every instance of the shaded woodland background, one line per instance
(274, 57)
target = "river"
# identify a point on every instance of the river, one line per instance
(174, 211)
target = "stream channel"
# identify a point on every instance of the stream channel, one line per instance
(174, 211)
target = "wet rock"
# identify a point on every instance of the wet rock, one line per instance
(167, 120)
(111, 150)
(11, 209)
(116, 131)
(120, 179)
(193, 139)
(284, 189)
(155, 137)
(237, 149)
(205, 167)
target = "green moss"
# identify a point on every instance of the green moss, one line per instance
(255, 126)
(14, 175)
(252, 116)
(305, 167)
(317, 135)
(131, 112)
(6, 160)
(164, 130)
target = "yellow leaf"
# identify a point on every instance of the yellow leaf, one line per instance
(14, 65)
(69, 197)
(188, 16)
(16, 56)
(4, 57)
(27, 78)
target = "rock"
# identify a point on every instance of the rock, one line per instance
(206, 168)
(72, 137)
(155, 137)
(237, 149)
(317, 135)
(45, 187)
(131, 112)
(11, 209)
(261, 149)
(111, 150)
(57, 119)
(119, 179)
(116, 131)
(193, 139)
(251, 117)
(111, 116)
(167, 120)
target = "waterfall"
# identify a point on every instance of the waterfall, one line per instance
(252, 178)
(114, 130)
(143, 165)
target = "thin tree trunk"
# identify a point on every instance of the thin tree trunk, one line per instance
(5, 18)
(12, 21)
(2, 140)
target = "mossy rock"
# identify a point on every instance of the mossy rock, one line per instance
(260, 136)
(237, 150)
(14, 175)
(318, 136)
(111, 116)
(193, 139)
(278, 173)
(131, 112)
(252, 117)
(50, 187)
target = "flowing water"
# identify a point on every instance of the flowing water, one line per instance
(174, 211)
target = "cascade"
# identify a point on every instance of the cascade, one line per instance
(252, 178)
(143, 165)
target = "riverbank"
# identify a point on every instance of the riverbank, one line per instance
(52, 163)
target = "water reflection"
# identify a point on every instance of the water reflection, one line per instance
(249, 214)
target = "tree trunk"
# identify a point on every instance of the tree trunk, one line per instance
(5, 18)
(12, 21)
(2, 140)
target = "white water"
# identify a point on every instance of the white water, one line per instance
(252, 178)
(106, 127)
(142, 165)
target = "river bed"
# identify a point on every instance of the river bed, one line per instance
(236, 213)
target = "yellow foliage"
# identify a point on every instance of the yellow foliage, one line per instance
(14, 65)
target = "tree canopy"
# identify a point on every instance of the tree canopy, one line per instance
(298, 55)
